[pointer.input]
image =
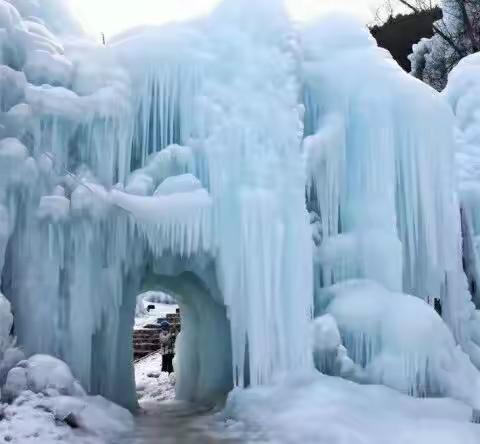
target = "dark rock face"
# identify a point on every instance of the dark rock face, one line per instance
(401, 32)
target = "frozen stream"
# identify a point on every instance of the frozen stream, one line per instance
(171, 422)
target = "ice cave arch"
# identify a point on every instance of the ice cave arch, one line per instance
(138, 157)
(180, 158)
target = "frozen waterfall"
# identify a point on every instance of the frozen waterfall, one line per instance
(198, 159)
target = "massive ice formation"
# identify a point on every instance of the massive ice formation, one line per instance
(462, 94)
(382, 190)
(178, 158)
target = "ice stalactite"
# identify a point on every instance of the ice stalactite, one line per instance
(390, 224)
(203, 177)
(260, 211)
(181, 156)
(379, 219)
(461, 94)
(249, 170)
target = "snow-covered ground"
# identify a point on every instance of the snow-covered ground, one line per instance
(162, 307)
(152, 384)
(317, 409)
(160, 311)
(48, 406)
(311, 409)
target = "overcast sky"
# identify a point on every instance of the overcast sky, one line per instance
(112, 16)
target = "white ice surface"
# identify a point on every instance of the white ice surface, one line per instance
(316, 409)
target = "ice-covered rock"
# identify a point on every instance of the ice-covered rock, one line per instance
(93, 414)
(399, 341)
(15, 384)
(41, 374)
(35, 418)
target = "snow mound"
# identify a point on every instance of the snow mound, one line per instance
(35, 418)
(396, 340)
(47, 405)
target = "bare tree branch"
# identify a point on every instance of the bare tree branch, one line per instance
(442, 34)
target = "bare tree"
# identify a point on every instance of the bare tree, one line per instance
(389, 8)
(456, 35)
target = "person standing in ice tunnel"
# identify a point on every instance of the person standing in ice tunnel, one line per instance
(167, 346)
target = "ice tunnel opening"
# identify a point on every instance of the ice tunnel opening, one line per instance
(203, 356)
(203, 359)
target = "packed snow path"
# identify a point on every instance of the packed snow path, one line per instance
(163, 420)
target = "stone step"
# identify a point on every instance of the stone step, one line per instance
(146, 338)
(147, 346)
(139, 355)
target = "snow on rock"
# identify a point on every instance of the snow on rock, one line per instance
(48, 373)
(42, 374)
(93, 414)
(34, 418)
(27, 421)
(47, 405)
(163, 303)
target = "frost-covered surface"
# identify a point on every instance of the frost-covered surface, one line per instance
(151, 383)
(46, 404)
(316, 409)
(35, 418)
